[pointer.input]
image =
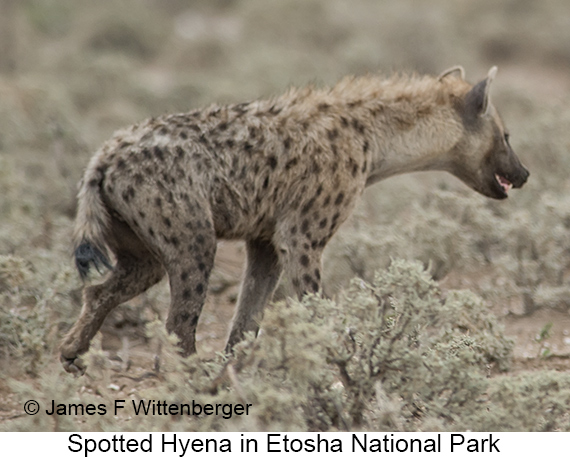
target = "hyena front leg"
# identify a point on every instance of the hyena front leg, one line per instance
(304, 243)
(304, 270)
(261, 277)
(130, 277)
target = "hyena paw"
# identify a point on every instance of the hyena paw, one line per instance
(73, 365)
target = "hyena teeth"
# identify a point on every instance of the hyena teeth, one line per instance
(504, 182)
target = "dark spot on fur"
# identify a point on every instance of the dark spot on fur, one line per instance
(334, 221)
(183, 135)
(365, 146)
(355, 103)
(332, 134)
(94, 183)
(272, 162)
(186, 294)
(146, 153)
(179, 152)
(287, 144)
(139, 179)
(317, 274)
(274, 110)
(200, 239)
(305, 260)
(223, 126)
(305, 226)
(200, 288)
(364, 166)
(121, 164)
(307, 206)
(158, 202)
(151, 232)
(315, 168)
(167, 222)
(323, 106)
(296, 283)
(266, 182)
(339, 198)
(323, 223)
(158, 153)
(230, 143)
(358, 126)
(293, 230)
(344, 121)
(291, 163)
(327, 201)
(142, 214)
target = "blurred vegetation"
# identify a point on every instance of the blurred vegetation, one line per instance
(394, 350)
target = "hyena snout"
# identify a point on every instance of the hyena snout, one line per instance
(511, 173)
(520, 176)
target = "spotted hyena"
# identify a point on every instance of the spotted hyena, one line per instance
(282, 174)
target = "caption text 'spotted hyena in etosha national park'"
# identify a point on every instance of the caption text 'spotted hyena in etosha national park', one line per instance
(282, 174)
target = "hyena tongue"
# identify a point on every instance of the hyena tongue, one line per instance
(504, 182)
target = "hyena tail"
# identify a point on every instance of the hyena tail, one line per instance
(91, 223)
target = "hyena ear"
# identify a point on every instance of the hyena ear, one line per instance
(457, 69)
(477, 99)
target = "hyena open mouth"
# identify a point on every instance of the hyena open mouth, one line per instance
(505, 184)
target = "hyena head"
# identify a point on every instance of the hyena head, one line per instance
(483, 158)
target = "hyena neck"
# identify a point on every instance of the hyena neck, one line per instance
(412, 125)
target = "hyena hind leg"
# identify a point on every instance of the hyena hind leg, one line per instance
(135, 272)
(188, 275)
(261, 277)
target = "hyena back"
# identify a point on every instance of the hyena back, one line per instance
(282, 174)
